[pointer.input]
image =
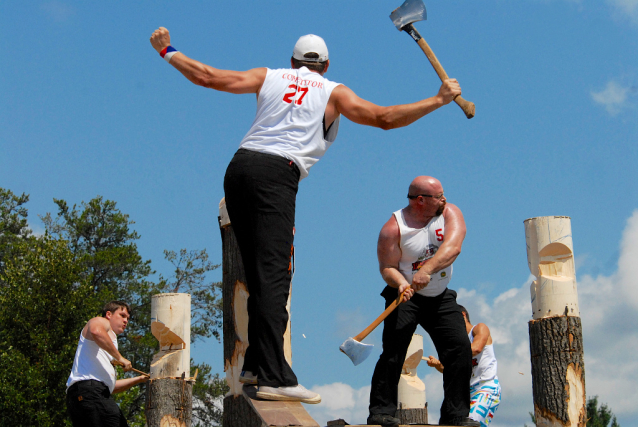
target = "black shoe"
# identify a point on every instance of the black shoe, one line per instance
(466, 421)
(383, 420)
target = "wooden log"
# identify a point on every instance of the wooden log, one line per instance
(169, 403)
(170, 393)
(411, 416)
(555, 331)
(241, 408)
(558, 371)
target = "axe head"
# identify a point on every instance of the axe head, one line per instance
(355, 350)
(410, 11)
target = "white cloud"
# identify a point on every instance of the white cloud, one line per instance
(626, 9)
(339, 400)
(609, 313)
(613, 97)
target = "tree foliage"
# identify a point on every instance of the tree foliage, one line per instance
(51, 285)
(600, 416)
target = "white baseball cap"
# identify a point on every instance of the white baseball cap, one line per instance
(310, 44)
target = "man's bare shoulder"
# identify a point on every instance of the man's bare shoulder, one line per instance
(451, 209)
(390, 229)
(481, 329)
(96, 322)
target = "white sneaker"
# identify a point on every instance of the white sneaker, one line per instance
(296, 393)
(247, 377)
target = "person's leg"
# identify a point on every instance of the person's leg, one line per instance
(398, 329)
(260, 198)
(444, 323)
(484, 400)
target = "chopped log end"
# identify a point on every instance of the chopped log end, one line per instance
(170, 421)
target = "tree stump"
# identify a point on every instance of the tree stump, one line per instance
(169, 403)
(558, 371)
(411, 416)
(241, 407)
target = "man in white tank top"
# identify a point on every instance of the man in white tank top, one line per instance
(485, 389)
(298, 113)
(92, 379)
(416, 249)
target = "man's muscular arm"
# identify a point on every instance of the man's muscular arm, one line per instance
(204, 75)
(97, 330)
(363, 112)
(448, 251)
(389, 255)
(481, 335)
(126, 383)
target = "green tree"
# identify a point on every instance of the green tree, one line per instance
(600, 416)
(13, 222)
(87, 257)
(43, 307)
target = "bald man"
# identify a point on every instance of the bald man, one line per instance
(416, 249)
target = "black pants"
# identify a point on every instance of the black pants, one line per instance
(89, 404)
(261, 191)
(441, 317)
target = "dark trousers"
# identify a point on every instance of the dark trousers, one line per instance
(89, 404)
(261, 191)
(441, 317)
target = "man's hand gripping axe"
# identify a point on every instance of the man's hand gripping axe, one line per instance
(403, 17)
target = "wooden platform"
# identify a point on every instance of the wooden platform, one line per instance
(253, 412)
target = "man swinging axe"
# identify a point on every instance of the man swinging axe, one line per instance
(298, 113)
(92, 379)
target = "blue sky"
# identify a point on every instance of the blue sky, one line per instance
(88, 108)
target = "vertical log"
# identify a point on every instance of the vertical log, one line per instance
(556, 339)
(241, 409)
(169, 403)
(412, 406)
(169, 393)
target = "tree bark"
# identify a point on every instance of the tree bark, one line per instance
(558, 371)
(239, 411)
(412, 415)
(233, 274)
(169, 403)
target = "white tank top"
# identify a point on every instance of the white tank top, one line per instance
(92, 363)
(289, 120)
(483, 364)
(418, 245)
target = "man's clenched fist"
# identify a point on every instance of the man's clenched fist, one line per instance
(160, 39)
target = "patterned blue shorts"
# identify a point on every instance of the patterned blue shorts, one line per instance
(484, 399)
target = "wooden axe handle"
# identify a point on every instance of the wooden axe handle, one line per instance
(380, 319)
(467, 106)
(116, 363)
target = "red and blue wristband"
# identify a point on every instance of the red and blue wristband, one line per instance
(168, 52)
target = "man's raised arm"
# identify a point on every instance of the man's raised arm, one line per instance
(363, 112)
(204, 75)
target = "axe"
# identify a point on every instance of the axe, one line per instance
(116, 363)
(403, 17)
(358, 351)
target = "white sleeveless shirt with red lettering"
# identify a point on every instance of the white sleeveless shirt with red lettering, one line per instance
(417, 246)
(289, 120)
